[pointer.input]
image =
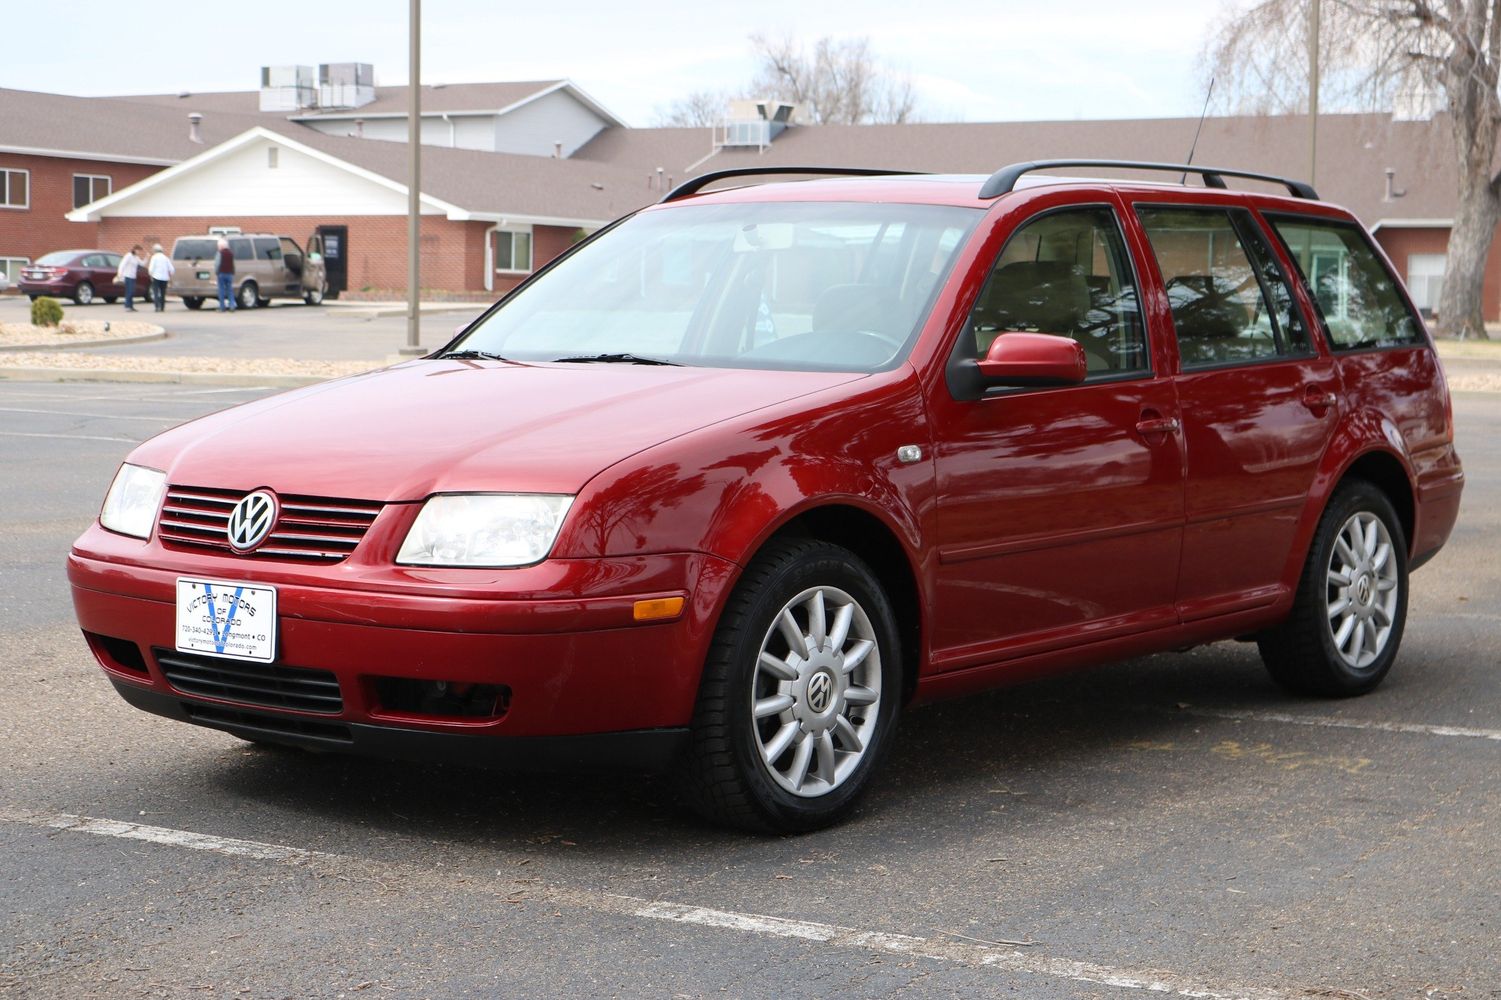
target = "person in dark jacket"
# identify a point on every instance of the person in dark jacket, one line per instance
(224, 271)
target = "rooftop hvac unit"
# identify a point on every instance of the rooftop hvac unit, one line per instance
(755, 123)
(345, 85)
(288, 88)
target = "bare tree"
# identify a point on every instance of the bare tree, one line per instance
(701, 108)
(1375, 52)
(841, 81)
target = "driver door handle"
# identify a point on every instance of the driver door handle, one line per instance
(1151, 426)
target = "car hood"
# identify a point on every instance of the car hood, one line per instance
(432, 426)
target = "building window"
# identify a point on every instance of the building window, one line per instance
(513, 251)
(88, 188)
(15, 189)
(1425, 281)
(10, 267)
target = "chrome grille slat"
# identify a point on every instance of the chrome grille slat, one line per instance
(307, 529)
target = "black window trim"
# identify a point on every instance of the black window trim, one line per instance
(955, 369)
(1247, 217)
(1426, 337)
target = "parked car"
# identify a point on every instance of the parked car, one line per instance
(266, 267)
(80, 275)
(729, 485)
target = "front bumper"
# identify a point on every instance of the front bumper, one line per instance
(558, 638)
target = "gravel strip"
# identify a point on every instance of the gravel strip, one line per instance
(141, 363)
(1475, 382)
(72, 332)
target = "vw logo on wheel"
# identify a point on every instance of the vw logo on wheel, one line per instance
(251, 520)
(820, 691)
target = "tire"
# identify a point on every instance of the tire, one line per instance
(193, 301)
(755, 774)
(249, 295)
(109, 300)
(314, 297)
(33, 297)
(1305, 654)
(84, 293)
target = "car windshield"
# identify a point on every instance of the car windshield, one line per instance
(57, 257)
(810, 286)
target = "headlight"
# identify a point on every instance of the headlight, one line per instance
(484, 529)
(131, 504)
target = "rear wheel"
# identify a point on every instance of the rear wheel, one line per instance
(800, 694)
(1346, 625)
(193, 301)
(84, 293)
(249, 295)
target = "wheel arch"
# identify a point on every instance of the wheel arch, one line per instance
(870, 537)
(1385, 471)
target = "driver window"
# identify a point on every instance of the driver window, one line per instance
(1066, 273)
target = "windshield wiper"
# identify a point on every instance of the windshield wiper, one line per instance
(617, 359)
(473, 356)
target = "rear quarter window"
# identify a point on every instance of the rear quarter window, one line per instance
(1358, 300)
(194, 249)
(267, 249)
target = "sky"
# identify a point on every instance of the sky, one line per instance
(998, 61)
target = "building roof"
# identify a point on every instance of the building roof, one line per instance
(1354, 152)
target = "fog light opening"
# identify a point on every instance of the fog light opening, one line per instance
(117, 654)
(442, 699)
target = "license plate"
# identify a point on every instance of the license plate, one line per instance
(224, 618)
(204, 276)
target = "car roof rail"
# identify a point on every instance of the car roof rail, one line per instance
(697, 184)
(1004, 180)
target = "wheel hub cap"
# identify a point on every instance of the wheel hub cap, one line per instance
(1362, 590)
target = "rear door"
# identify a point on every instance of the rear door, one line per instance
(1259, 401)
(1060, 510)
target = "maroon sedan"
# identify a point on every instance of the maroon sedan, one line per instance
(80, 275)
(731, 483)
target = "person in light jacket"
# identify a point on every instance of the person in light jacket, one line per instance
(130, 265)
(224, 271)
(161, 270)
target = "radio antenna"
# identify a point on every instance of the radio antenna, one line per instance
(1195, 145)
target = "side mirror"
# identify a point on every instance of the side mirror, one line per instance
(1023, 359)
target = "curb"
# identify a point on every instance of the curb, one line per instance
(377, 311)
(246, 380)
(74, 345)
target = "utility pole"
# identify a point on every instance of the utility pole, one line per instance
(1313, 90)
(414, 188)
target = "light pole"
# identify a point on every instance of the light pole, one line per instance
(1313, 90)
(414, 188)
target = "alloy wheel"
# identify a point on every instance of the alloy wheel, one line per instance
(1362, 589)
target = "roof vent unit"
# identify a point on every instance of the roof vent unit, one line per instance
(345, 85)
(754, 124)
(288, 88)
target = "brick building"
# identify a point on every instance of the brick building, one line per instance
(512, 172)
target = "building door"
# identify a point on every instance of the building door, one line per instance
(335, 258)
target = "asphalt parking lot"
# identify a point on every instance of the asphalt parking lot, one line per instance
(1171, 825)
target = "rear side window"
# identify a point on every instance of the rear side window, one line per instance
(1066, 273)
(241, 249)
(1230, 301)
(193, 249)
(267, 249)
(1357, 297)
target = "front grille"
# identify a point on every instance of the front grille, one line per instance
(307, 529)
(253, 724)
(267, 684)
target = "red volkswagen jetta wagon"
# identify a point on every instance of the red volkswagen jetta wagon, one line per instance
(729, 484)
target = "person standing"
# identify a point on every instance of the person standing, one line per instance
(130, 266)
(161, 270)
(225, 273)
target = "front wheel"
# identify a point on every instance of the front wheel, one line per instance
(314, 296)
(193, 301)
(800, 694)
(1351, 606)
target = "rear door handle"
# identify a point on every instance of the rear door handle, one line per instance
(1320, 401)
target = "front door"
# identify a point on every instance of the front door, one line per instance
(1259, 404)
(1060, 510)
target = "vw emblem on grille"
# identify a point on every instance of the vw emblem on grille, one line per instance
(820, 691)
(251, 520)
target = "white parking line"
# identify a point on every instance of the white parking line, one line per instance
(1328, 723)
(82, 413)
(976, 955)
(70, 437)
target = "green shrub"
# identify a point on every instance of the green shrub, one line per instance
(46, 312)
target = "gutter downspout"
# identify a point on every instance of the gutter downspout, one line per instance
(453, 130)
